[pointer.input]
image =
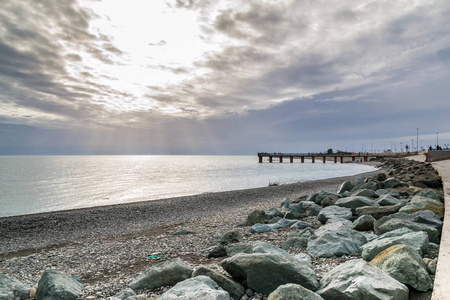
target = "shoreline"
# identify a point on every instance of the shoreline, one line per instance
(31, 232)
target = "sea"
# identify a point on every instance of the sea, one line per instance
(36, 184)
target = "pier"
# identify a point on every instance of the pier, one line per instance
(271, 157)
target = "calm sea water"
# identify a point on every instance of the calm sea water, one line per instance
(32, 184)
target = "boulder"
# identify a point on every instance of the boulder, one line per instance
(293, 291)
(426, 217)
(366, 193)
(399, 220)
(405, 265)
(300, 225)
(419, 203)
(166, 273)
(432, 194)
(386, 200)
(418, 241)
(138, 297)
(298, 239)
(122, 295)
(371, 185)
(218, 251)
(325, 194)
(56, 285)
(199, 287)
(364, 223)
(229, 237)
(345, 186)
(358, 280)
(381, 192)
(233, 288)
(338, 242)
(381, 176)
(286, 223)
(429, 180)
(274, 220)
(272, 213)
(285, 203)
(354, 202)
(264, 272)
(261, 228)
(378, 211)
(391, 183)
(239, 248)
(11, 288)
(255, 217)
(305, 258)
(310, 208)
(295, 212)
(334, 211)
(263, 247)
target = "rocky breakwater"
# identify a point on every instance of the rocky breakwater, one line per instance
(374, 238)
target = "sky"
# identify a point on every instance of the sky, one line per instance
(223, 77)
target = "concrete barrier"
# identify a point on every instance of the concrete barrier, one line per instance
(441, 290)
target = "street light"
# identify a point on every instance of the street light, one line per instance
(437, 139)
(412, 147)
(417, 149)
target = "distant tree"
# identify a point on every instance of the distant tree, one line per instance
(330, 151)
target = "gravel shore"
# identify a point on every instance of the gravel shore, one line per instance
(108, 246)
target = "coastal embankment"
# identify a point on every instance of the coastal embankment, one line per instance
(250, 242)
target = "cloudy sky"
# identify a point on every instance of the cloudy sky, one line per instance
(222, 77)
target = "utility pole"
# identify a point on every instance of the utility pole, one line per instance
(437, 139)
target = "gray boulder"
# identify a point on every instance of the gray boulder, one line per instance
(358, 280)
(426, 217)
(200, 287)
(11, 288)
(138, 297)
(391, 183)
(386, 200)
(286, 223)
(263, 247)
(310, 208)
(381, 192)
(325, 194)
(400, 220)
(305, 258)
(261, 228)
(293, 292)
(55, 285)
(429, 180)
(378, 211)
(218, 251)
(265, 272)
(419, 203)
(354, 202)
(285, 203)
(239, 248)
(366, 193)
(432, 194)
(295, 212)
(300, 225)
(332, 243)
(405, 265)
(416, 240)
(345, 186)
(298, 238)
(122, 295)
(229, 237)
(233, 288)
(166, 273)
(256, 217)
(364, 223)
(334, 212)
(272, 213)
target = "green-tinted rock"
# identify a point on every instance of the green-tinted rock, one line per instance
(163, 274)
(11, 288)
(55, 285)
(405, 265)
(293, 292)
(264, 272)
(419, 203)
(233, 288)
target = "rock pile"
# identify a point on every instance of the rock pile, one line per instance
(380, 228)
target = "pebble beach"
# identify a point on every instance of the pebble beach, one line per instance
(106, 247)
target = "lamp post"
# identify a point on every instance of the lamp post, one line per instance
(437, 140)
(417, 149)
(412, 145)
